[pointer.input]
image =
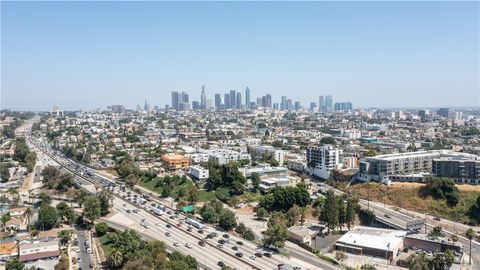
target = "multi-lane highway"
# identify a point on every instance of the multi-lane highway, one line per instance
(208, 255)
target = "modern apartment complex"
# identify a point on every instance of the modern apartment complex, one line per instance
(413, 166)
(461, 169)
(321, 160)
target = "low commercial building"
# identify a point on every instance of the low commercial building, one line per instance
(431, 244)
(376, 242)
(198, 172)
(266, 171)
(8, 249)
(272, 182)
(31, 251)
(175, 162)
(303, 234)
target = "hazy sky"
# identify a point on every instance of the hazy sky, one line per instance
(84, 55)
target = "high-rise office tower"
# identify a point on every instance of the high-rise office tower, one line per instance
(218, 102)
(267, 101)
(289, 105)
(313, 105)
(283, 104)
(247, 98)
(226, 100)
(239, 100)
(209, 104)
(195, 105)
(275, 106)
(203, 99)
(321, 104)
(259, 101)
(175, 100)
(185, 97)
(233, 95)
(297, 106)
(146, 106)
(329, 103)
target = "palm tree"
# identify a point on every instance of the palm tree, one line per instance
(28, 214)
(115, 258)
(470, 234)
(454, 239)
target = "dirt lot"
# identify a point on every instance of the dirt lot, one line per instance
(406, 195)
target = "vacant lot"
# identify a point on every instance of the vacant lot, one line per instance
(405, 195)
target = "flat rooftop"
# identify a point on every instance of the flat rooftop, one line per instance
(375, 238)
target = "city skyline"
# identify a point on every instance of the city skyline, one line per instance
(367, 57)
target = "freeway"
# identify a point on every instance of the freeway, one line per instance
(209, 255)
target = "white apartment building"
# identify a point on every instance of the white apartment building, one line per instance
(222, 156)
(198, 172)
(321, 160)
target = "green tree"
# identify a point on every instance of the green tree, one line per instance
(131, 180)
(255, 178)
(105, 198)
(330, 211)
(240, 229)
(249, 235)
(65, 212)
(91, 209)
(436, 232)
(209, 214)
(64, 236)
(350, 213)
(80, 196)
(47, 217)
(227, 220)
(277, 232)
(14, 264)
(327, 140)
(101, 228)
(262, 213)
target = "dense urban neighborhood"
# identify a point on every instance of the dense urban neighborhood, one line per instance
(240, 185)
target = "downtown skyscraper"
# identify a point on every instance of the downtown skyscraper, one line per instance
(247, 98)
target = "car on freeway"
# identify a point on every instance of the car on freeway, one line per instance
(239, 254)
(168, 226)
(172, 217)
(179, 225)
(167, 234)
(267, 254)
(221, 241)
(200, 231)
(136, 211)
(158, 224)
(240, 243)
(387, 215)
(253, 257)
(221, 264)
(226, 236)
(176, 244)
(259, 255)
(436, 218)
(201, 243)
(220, 246)
(235, 248)
(188, 245)
(189, 230)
